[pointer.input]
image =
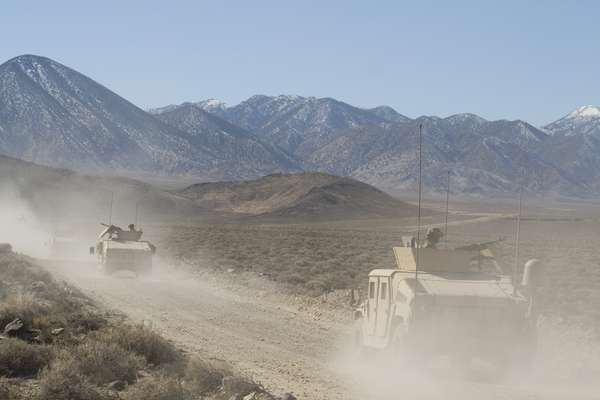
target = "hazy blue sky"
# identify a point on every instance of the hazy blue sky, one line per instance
(504, 59)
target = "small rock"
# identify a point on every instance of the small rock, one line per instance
(57, 331)
(13, 327)
(5, 248)
(38, 285)
(288, 396)
(231, 270)
(143, 374)
(117, 385)
(250, 396)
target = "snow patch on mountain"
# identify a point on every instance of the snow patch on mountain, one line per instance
(585, 112)
(584, 120)
(211, 105)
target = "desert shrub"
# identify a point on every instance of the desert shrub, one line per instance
(202, 377)
(17, 268)
(23, 306)
(85, 321)
(101, 362)
(235, 385)
(142, 341)
(19, 358)
(4, 389)
(62, 382)
(158, 388)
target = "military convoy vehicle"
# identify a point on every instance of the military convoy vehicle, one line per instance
(455, 303)
(123, 250)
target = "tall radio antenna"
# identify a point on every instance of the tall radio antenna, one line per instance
(446, 220)
(516, 267)
(112, 199)
(420, 196)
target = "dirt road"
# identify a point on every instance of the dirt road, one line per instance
(279, 346)
(284, 346)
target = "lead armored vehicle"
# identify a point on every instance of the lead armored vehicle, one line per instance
(455, 303)
(123, 250)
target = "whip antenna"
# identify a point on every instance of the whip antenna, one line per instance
(419, 214)
(112, 199)
(515, 270)
(446, 221)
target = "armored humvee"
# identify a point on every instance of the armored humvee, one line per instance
(455, 303)
(123, 250)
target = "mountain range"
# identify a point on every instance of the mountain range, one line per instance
(378, 145)
(53, 115)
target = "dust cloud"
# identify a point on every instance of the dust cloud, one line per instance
(21, 228)
(566, 367)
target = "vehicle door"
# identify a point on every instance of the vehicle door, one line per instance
(383, 306)
(373, 298)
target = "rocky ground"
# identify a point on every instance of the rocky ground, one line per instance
(57, 344)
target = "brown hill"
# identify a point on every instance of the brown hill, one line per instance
(53, 194)
(305, 195)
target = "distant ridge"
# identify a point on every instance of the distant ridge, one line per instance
(304, 196)
(55, 193)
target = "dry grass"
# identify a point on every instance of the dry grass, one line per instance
(62, 382)
(203, 377)
(42, 303)
(316, 258)
(21, 270)
(307, 258)
(102, 362)
(141, 341)
(24, 306)
(4, 389)
(21, 359)
(159, 388)
(91, 352)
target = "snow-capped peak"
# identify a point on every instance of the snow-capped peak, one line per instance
(211, 105)
(585, 112)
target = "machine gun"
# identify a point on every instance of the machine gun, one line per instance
(117, 233)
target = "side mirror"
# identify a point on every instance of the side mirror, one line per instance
(92, 250)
